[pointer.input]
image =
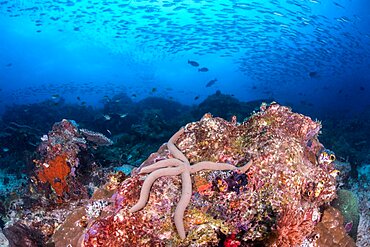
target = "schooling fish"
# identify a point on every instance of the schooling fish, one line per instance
(107, 117)
(211, 82)
(193, 63)
(204, 69)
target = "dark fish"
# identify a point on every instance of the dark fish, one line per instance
(337, 4)
(362, 88)
(133, 95)
(313, 74)
(204, 69)
(9, 65)
(211, 82)
(78, 98)
(193, 63)
(196, 97)
(154, 90)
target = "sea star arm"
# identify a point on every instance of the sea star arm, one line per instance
(183, 203)
(150, 179)
(173, 149)
(209, 165)
(160, 164)
(246, 167)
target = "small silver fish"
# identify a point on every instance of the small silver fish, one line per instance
(107, 117)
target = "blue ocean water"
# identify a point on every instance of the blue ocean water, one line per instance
(311, 54)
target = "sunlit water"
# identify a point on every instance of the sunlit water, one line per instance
(310, 53)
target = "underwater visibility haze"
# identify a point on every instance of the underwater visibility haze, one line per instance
(292, 51)
(271, 98)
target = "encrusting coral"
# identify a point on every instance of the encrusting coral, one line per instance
(274, 202)
(262, 182)
(172, 167)
(330, 230)
(55, 170)
(347, 204)
(56, 174)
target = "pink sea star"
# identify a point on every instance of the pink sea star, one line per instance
(173, 167)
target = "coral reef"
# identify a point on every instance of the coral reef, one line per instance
(63, 179)
(22, 235)
(3, 240)
(330, 230)
(363, 236)
(344, 174)
(347, 204)
(262, 182)
(225, 106)
(55, 174)
(276, 201)
(348, 136)
(171, 167)
(362, 190)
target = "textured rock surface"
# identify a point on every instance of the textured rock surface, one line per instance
(20, 235)
(60, 161)
(288, 180)
(3, 240)
(330, 230)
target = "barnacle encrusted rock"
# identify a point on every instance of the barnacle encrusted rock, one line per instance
(286, 181)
